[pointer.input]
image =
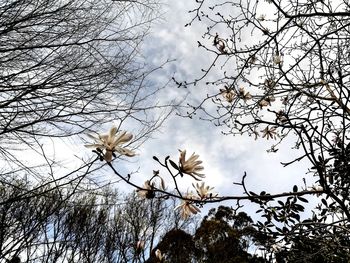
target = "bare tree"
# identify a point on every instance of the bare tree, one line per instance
(283, 70)
(70, 66)
(95, 226)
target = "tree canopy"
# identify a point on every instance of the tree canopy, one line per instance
(279, 69)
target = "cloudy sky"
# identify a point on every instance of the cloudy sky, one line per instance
(225, 158)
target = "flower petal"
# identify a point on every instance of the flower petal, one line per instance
(125, 151)
(112, 132)
(96, 145)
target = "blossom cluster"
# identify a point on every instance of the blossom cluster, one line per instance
(230, 94)
(107, 144)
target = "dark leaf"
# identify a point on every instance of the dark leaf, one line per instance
(173, 164)
(302, 199)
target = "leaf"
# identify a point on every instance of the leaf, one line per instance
(279, 229)
(324, 202)
(302, 199)
(298, 207)
(173, 164)
(296, 216)
(155, 158)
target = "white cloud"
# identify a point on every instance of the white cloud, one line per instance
(225, 158)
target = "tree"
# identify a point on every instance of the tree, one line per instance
(310, 249)
(220, 237)
(175, 246)
(68, 67)
(283, 70)
(95, 226)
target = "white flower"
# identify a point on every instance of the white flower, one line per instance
(220, 44)
(277, 59)
(281, 116)
(192, 166)
(140, 245)
(187, 208)
(159, 255)
(276, 248)
(269, 132)
(266, 101)
(204, 191)
(228, 94)
(147, 191)
(269, 84)
(244, 95)
(263, 103)
(112, 142)
(262, 17)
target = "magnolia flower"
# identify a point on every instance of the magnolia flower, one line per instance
(276, 247)
(159, 255)
(220, 44)
(228, 94)
(140, 245)
(187, 208)
(269, 132)
(262, 17)
(285, 100)
(112, 142)
(281, 116)
(252, 59)
(192, 166)
(263, 103)
(244, 95)
(204, 191)
(277, 59)
(266, 101)
(147, 191)
(269, 84)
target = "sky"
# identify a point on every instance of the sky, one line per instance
(225, 157)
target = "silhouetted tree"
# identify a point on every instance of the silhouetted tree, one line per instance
(219, 238)
(73, 226)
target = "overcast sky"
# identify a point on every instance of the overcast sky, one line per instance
(225, 158)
